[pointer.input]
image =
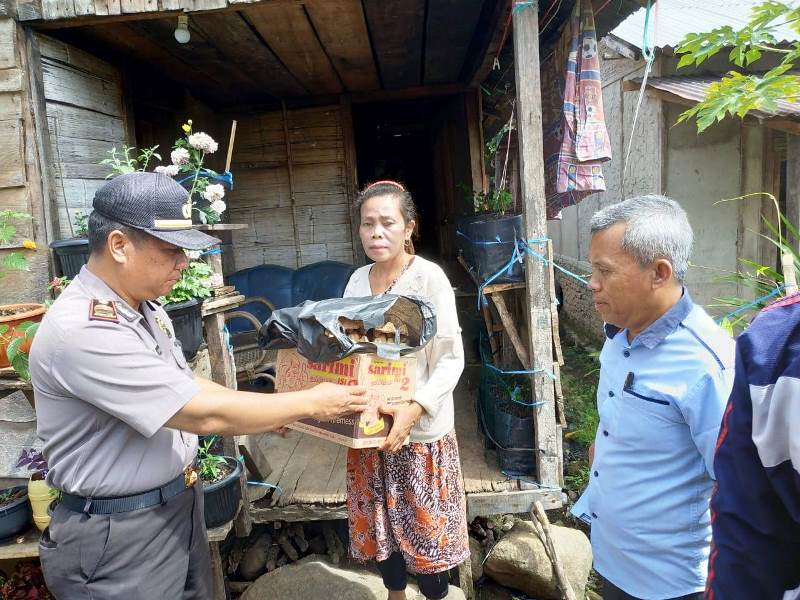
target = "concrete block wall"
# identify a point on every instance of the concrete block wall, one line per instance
(577, 311)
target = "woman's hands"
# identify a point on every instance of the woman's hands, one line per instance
(404, 417)
(331, 400)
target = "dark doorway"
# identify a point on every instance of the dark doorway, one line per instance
(394, 140)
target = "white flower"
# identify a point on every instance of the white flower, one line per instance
(180, 156)
(193, 254)
(214, 192)
(169, 170)
(203, 141)
(218, 206)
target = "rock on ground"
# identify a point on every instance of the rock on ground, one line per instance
(476, 555)
(316, 577)
(519, 561)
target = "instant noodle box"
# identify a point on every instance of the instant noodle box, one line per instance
(387, 380)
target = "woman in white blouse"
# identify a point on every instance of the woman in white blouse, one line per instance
(406, 504)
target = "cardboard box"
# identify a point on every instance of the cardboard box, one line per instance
(390, 381)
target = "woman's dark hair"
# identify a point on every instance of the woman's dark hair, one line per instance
(100, 227)
(407, 207)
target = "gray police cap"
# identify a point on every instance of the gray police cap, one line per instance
(155, 204)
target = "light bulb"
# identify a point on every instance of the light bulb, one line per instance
(182, 30)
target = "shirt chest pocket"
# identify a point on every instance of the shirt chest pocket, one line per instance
(643, 411)
(177, 354)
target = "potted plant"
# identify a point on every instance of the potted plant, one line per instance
(220, 478)
(26, 582)
(15, 514)
(488, 238)
(72, 253)
(184, 301)
(40, 495)
(18, 322)
(187, 157)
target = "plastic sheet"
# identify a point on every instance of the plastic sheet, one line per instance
(316, 329)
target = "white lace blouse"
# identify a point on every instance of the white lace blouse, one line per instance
(441, 362)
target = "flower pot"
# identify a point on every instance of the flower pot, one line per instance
(15, 517)
(492, 240)
(12, 315)
(72, 254)
(188, 325)
(463, 241)
(40, 496)
(222, 498)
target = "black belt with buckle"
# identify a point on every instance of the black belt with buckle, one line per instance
(120, 504)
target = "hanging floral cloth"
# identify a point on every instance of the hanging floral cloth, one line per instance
(576, 141)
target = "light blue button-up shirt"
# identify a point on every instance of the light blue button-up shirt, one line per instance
(661, 400)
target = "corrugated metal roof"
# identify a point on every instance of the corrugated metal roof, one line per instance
(694, 88)
(676, 18)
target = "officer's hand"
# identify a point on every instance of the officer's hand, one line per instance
(334, 400)
(404, 417)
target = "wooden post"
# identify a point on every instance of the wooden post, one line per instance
(529, 126)
(351, 175)
(290, 170)
(223, 372)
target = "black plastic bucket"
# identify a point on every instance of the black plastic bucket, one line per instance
(72, 254)
(188, 325)
(221, 499)
(15, 518)
(463, 240)
(517, 462)
(513, 428)
(492, 239)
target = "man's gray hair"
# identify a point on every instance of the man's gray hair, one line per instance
(655, 227)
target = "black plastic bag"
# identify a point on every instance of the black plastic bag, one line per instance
(315, 329)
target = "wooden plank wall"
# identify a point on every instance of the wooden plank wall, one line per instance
(85, 119)
(20, 175)
(319, 216)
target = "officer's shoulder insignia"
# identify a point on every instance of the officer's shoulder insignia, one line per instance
(125, 311)
(163, 326)
(103, 310)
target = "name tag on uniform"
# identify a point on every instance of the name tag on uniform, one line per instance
(103, 310)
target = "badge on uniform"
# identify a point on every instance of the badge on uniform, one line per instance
(163, 326)
(103, 310)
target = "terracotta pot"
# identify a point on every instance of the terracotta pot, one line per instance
(31, 312)
(40, 496)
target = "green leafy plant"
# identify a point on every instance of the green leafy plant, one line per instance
(18, 346)
(495, 201)
(738, 93)
(81, 224)
(9, 495)
(209, 465)
(766, 282)
(14, 261)
(195, 282)
(127, 161)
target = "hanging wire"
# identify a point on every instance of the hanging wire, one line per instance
(649, 54)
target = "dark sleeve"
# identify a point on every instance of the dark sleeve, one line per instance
(755, 507)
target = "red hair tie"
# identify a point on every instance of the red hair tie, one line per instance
(387, 182)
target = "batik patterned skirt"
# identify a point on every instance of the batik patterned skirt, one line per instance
(411, 501)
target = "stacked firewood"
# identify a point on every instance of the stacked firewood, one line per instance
(488, 531)
(387, 333)
(272, 546)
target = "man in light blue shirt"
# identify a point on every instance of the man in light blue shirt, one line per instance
(666, 372)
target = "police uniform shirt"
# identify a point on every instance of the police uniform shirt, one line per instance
(106, 378)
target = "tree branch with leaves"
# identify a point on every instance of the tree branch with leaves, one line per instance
(740, 92)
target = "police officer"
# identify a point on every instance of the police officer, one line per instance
(119, 410)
